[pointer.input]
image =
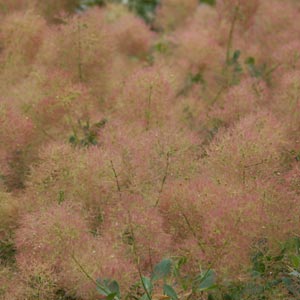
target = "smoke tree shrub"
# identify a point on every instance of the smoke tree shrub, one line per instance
(9, 214)
(132, 36)
(256, 155)
(36, 287)
(199, 58)
(70, 175)
(196, 58)
(124, 143)
(292, 178)
(173, 13)
(12, 6)
(144, 168)
(146, 94)
(52, 10)
(287, 56)
(21, 36)
(139, 226)
(81, 46)
(16, 133)
(286, 98)
(55, 235)
(46, 239)
(251, 95)
(240, 10)
(5, 277)
(274, 22)
(16, 129)
(62, 107)
(112, 263)
(290, 93)
(208, 221)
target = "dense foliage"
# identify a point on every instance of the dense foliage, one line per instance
(149, 150)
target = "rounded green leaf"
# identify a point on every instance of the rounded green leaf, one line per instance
(169, 291)
(162, 269)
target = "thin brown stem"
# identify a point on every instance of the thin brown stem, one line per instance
(193, 231)
(148, 110)
(217, 96)
(245, 167)
(136, 256)
(116, 179)
(150, 259)
(79, 52)
(47, 134)
(164, 178)
(84, 271)
(231, 32)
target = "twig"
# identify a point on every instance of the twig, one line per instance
(272, 69)
(79, 52)
(134, 249)
(249, 166)
(47, 134)
(84, 271)
(103, 289)
(193, 232)
(116, 178)
(228, 50)
(164, 179)
(220, 91)
(231, 31)
(150, 258)
(225, 244)
(148, 111)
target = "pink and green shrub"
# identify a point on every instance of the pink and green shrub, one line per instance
(124, 143)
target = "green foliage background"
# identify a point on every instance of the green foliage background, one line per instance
(144, 8)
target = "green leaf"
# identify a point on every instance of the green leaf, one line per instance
(144, 297)
(147, 284)
(178, 265)
(111, 296)
(73, 139)
(162, 269)
(205, 281)
(169, 291)
(61, 197)
(103, 287)
(197, 78)
(101, 123)
(236, 55)
(258, 263)
(295, 260)
(295, 274)
(102, 290)
(254, 289)
(291, 287)
(208, 2)
(114, 287)
(182, 261)
(250, 60)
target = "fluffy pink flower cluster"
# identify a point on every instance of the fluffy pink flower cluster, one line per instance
(123, 143)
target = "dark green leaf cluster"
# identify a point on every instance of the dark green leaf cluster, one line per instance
(144, 8)
(272, 276)
(86, 134)
(166, 276)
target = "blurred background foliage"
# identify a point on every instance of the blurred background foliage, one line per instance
(143, 8)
